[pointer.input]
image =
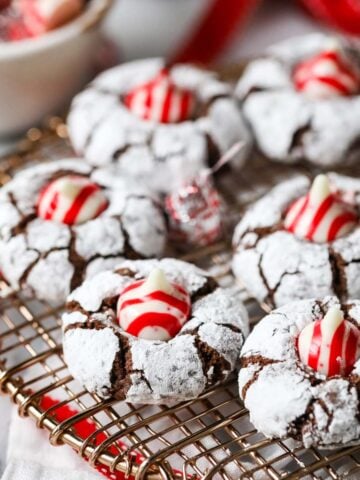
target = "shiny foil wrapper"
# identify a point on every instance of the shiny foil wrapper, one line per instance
(194, 212)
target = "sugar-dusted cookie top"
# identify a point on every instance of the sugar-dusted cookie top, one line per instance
(300, 370)
(160, 124)
(119, 338)
(302, 100)
(282, 248)
(63, 221)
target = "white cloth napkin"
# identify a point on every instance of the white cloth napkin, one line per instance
(26, 454)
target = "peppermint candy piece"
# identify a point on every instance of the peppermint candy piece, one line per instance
(194, 212)
(320, 216)
(71, 199)
(154, 309)
(41, 16)
(160, 100)
(325, 75)
(330, 346)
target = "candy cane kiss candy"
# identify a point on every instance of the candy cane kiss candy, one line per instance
(41, 16)
(154, 309)
(320, 216)
(160, 100)
(326, 75)
(330, 346)
(71, 199)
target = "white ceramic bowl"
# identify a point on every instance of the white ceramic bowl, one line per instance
(38, 76)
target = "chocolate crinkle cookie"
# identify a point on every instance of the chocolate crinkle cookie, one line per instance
(153, 331)
(158, 123)
(301, 240)
(302, 100)
(300, 373)
(61, 222)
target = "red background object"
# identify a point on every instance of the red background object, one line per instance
(214, 31)
(341, 14)
(84, 429)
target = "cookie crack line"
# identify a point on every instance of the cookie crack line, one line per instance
(211, 358)
(121, 151)
(261, 362)
(122, 365)
(120, 376)
(27, 271)
(270, 298)
(339, 281)
(229, 326)
(80, 264)
(298, 427)
(260, 232)
(142, 377)
(24, 219)
(297, 141)
(95, 127)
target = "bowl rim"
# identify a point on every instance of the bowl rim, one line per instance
(86, 21)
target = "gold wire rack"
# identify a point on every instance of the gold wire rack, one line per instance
(210, 437)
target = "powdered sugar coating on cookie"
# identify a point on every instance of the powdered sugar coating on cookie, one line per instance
(47, 258)
(286, 398)
(203, 353)
(288, 125)
(277, 267)
(105, 131)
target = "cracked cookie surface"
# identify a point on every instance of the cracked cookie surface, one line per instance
(286, 398)
(277, 267)
(105, 131)
(48, 259)
(110, 362)
(288, 126)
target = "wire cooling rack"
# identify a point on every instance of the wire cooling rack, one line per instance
(210, 437)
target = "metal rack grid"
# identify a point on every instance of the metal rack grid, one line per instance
(210, 437)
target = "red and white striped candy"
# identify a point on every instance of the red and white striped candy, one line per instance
(330, 346)
(161, 101)
(71, 199)
(41, 16)
(320, 216)
(154, 309)
(326, 75)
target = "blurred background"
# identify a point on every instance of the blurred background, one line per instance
(240, 28)
(34, 73)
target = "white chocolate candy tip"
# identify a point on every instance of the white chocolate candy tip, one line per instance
(320, 189)
(157, 281)
(333, 318)
(333, 44)
(70, 187)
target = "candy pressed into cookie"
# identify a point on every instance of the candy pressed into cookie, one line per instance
(153, 331)
(160, 124)
(300, 372)
(300, 240)
(63, 221)
(302, 100)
